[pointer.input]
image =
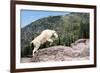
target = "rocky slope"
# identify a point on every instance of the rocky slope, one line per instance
(79, 50)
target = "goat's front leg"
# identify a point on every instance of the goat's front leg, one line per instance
(36, 48)
(50, 40)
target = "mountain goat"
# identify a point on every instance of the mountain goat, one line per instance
(45, 36)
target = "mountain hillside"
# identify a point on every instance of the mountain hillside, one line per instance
(69, 27)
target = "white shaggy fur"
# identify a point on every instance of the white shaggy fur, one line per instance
(42, 38)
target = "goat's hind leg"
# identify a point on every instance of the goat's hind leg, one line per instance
(36, 48)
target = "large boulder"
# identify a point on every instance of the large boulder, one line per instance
(79, 50)
(57, 53)
(81, 45)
